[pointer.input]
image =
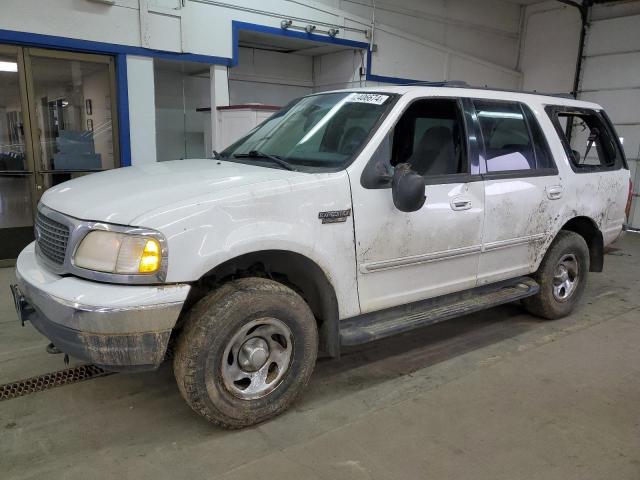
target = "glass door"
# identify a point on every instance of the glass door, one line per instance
(57, 122)
(16, 159)
(72, 105)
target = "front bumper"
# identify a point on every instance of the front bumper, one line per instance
(114, 326)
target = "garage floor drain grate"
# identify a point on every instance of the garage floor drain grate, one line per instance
(47, 381)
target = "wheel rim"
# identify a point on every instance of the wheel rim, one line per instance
(257, 357)
(565, 279)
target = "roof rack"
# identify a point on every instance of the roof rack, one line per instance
(463, 84)
(444, 83)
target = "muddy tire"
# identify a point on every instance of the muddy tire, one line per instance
(246, 352)
(562, 276)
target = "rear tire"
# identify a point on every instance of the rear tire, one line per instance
(246, 352)
(562, 276)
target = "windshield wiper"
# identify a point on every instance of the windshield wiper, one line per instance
(273, 158)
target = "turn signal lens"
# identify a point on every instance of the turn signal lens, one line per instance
(150, 259)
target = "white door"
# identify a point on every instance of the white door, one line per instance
(405, 257)
(523, 191)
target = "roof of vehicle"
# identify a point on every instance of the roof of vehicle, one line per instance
(479, 92)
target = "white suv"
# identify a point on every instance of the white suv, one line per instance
(346, 217)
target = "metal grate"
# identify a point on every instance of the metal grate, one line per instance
(50, 380)
(52, 238)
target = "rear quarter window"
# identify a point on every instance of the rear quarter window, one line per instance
(588, 138)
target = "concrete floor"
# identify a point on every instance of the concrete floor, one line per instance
(497, 395)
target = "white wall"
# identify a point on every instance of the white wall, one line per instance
(471, 40)
(338, 70)
(270, 78)
(611, 77)
(275, 78)
(550, 43)
(486, 29)
(619, 9)
(485, 42)
(466, 40)
(74, 18)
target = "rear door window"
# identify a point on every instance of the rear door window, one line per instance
(511, 137)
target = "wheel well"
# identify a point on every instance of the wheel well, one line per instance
(289, 268)
(587, 229)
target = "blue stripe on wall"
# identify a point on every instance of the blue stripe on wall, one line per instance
(124, 133)
(121, 51)
(73, 44)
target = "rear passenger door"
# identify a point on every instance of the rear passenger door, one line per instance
(522, 188)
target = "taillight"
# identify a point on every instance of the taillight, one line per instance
(627, 210)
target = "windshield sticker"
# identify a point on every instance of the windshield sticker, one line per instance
(374, 98)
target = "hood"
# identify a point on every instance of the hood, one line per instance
(121, 195)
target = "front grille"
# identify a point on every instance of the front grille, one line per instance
(52, 238)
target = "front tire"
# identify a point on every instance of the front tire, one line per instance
(246, 352)
(562, 276)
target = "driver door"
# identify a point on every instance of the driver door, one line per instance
(406, 257)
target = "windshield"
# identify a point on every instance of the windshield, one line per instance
(313, 133)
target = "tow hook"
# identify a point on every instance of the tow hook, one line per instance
(53, 350)
(22, 306)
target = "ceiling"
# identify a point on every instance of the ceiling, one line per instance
(262, 41)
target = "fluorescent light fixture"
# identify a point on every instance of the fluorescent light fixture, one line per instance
(489, 114)
(8, 67)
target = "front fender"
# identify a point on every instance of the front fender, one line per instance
(277, 215)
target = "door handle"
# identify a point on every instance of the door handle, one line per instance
(460, 204)
(554, 193)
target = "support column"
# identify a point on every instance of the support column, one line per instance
(219, 98)
(145, 31)
(142, 109)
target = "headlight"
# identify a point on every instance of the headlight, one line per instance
(122, 253)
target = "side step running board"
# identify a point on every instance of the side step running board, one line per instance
(373, 326)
